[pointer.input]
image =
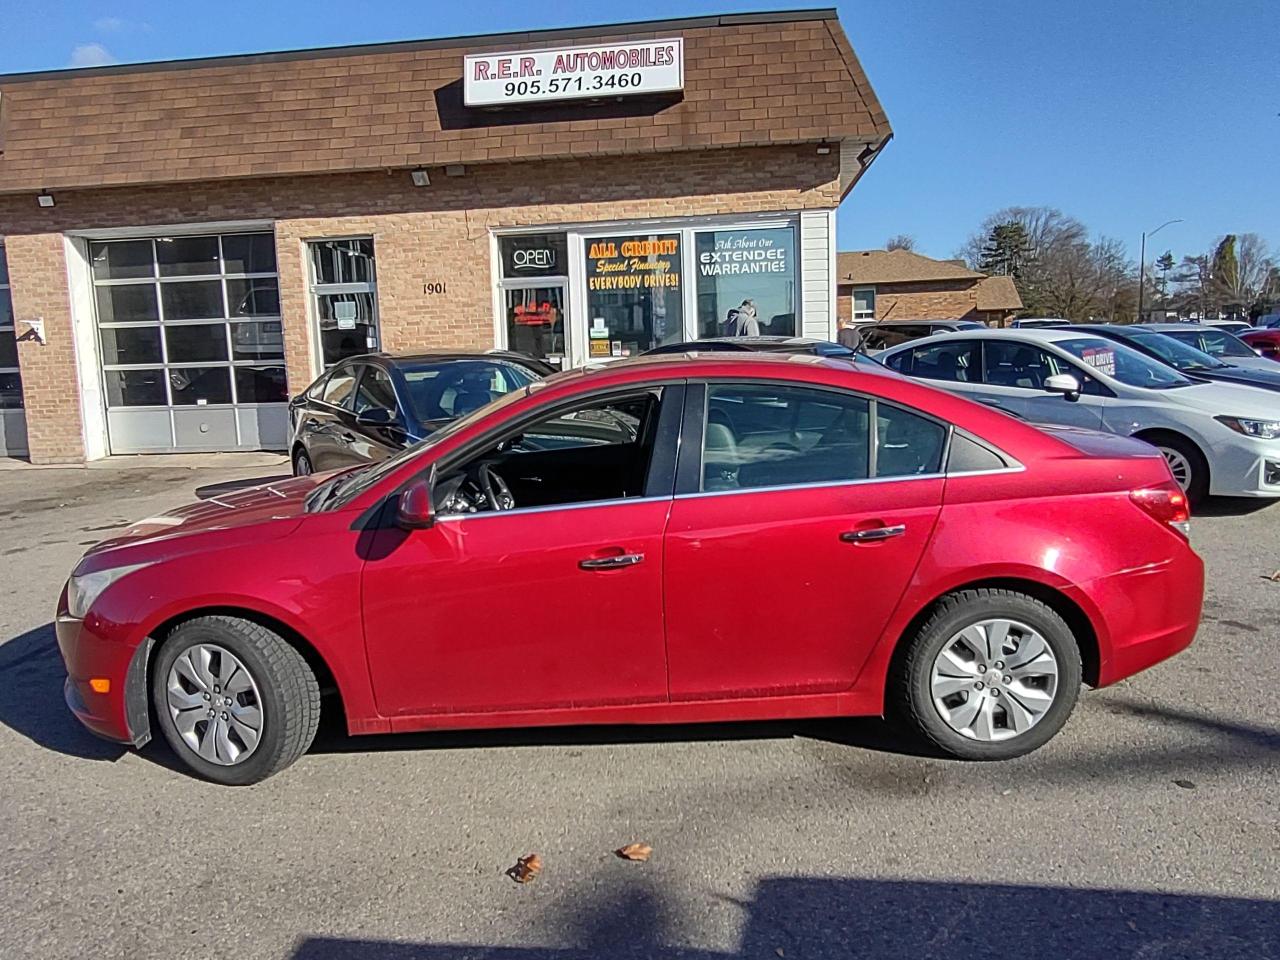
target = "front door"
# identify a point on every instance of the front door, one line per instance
(807, 516)
(535, 321)
(1013, 377)
(554, 601)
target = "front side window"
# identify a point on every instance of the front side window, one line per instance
(635, 298)
(1219, 343)
(338, 388)
(746, 282)
(1176, 353)
(597, 451)
(344, 297)
(10, 377)
(375, 392)
(951, 360)
(762, 435)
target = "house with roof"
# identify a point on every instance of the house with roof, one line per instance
(891, 285)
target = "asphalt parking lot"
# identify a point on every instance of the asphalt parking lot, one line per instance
(1149, 829)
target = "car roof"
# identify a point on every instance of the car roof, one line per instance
(1024, 334)
(1169, 327)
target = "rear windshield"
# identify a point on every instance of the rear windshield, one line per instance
(446, 389)
(1176, 352)
(1122, 363)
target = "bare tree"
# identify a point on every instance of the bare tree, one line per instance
(901, 241)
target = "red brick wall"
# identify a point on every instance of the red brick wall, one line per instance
(437, 233)
(932, 300)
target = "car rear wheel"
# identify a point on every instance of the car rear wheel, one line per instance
(236, 702)
(990, 675)
(302, 464)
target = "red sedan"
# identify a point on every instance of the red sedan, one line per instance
(668, 540)
(1266, 342)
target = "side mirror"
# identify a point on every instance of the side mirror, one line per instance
(414, 510)
(376, 417)
(1065, 384)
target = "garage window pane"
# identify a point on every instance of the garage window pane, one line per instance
(254, 298)
(188, 256)
(191, 344)
(191, 385)
(6, 305)
(122, 260)
(4, 269)
(127, 302)
(8, 349)
(128, 345)
(257, 341)
(194, 300)
(261, 385)
(10, 390)
(249, 253)
(135, 388)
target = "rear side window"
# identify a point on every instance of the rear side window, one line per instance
(969, 456)
(760, 435)
(907, 444)
(953, 360)
(337, 390)
(376, 391)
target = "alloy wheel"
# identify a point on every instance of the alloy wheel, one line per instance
(1179, 466)
(215, 704)
(994, 680)
(302, 465)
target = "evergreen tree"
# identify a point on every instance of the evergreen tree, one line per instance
(1165, 263)
(1006, 251)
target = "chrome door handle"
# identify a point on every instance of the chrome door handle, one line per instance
(872, 534)
(610, 563)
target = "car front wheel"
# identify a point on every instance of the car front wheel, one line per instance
(991, 675)
(302, 464)
(235, 702)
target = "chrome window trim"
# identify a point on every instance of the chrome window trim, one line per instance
(1019, 468)
(810, 486)
(616, 501)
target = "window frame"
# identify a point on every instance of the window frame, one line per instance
(316, 289)
(9, 327)
(864, 314)
(689, 468)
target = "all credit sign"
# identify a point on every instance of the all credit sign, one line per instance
(574, 73)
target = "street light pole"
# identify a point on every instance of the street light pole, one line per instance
(1142, 265)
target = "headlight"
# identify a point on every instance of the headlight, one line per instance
(1262, 429)
(82, 590)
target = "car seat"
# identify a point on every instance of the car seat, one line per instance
(720, 458)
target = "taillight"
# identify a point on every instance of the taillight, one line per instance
(1165, 504)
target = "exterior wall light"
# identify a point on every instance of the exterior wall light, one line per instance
(45, 199)
(420, 178)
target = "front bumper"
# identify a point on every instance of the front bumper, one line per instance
(121, 714)
(1245, 468)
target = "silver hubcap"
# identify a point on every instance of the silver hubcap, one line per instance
(1179, 466)
(994, 680)
(214, 703)
(303, 465)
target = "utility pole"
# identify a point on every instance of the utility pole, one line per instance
(1142, 264)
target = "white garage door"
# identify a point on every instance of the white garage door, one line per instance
(191, 346)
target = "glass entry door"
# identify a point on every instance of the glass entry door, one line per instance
(535, 321)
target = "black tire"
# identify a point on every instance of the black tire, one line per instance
(287, 688)
(1197, 487)
(910, 697)
(302, 465)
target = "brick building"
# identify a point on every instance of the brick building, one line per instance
(189, 243)
(901, 285)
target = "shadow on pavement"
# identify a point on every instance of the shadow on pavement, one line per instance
(231, 486)
(31, 678)
(1230, 506)
(815, 917)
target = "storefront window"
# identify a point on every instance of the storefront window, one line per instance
(344, 292)
(534, 255)
(746, 282)
(634, 294)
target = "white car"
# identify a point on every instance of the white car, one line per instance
(1221, 439)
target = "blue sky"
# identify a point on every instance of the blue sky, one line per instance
(1122, 113)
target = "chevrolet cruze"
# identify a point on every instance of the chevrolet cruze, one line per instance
(675, 539)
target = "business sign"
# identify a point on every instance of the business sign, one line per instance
(574, 73)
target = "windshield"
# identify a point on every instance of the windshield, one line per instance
(1176, 352)
(1219, 343)
(1123, 364)
(446, 389)
(344, 488)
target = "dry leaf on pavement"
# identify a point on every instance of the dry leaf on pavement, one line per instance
(635, 851)
(526, 868)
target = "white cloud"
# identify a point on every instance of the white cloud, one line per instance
(90, 55)
(109, 24)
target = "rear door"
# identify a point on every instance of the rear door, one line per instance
(801, 513)
(952, 364)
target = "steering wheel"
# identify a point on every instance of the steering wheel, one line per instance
(495, 489)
